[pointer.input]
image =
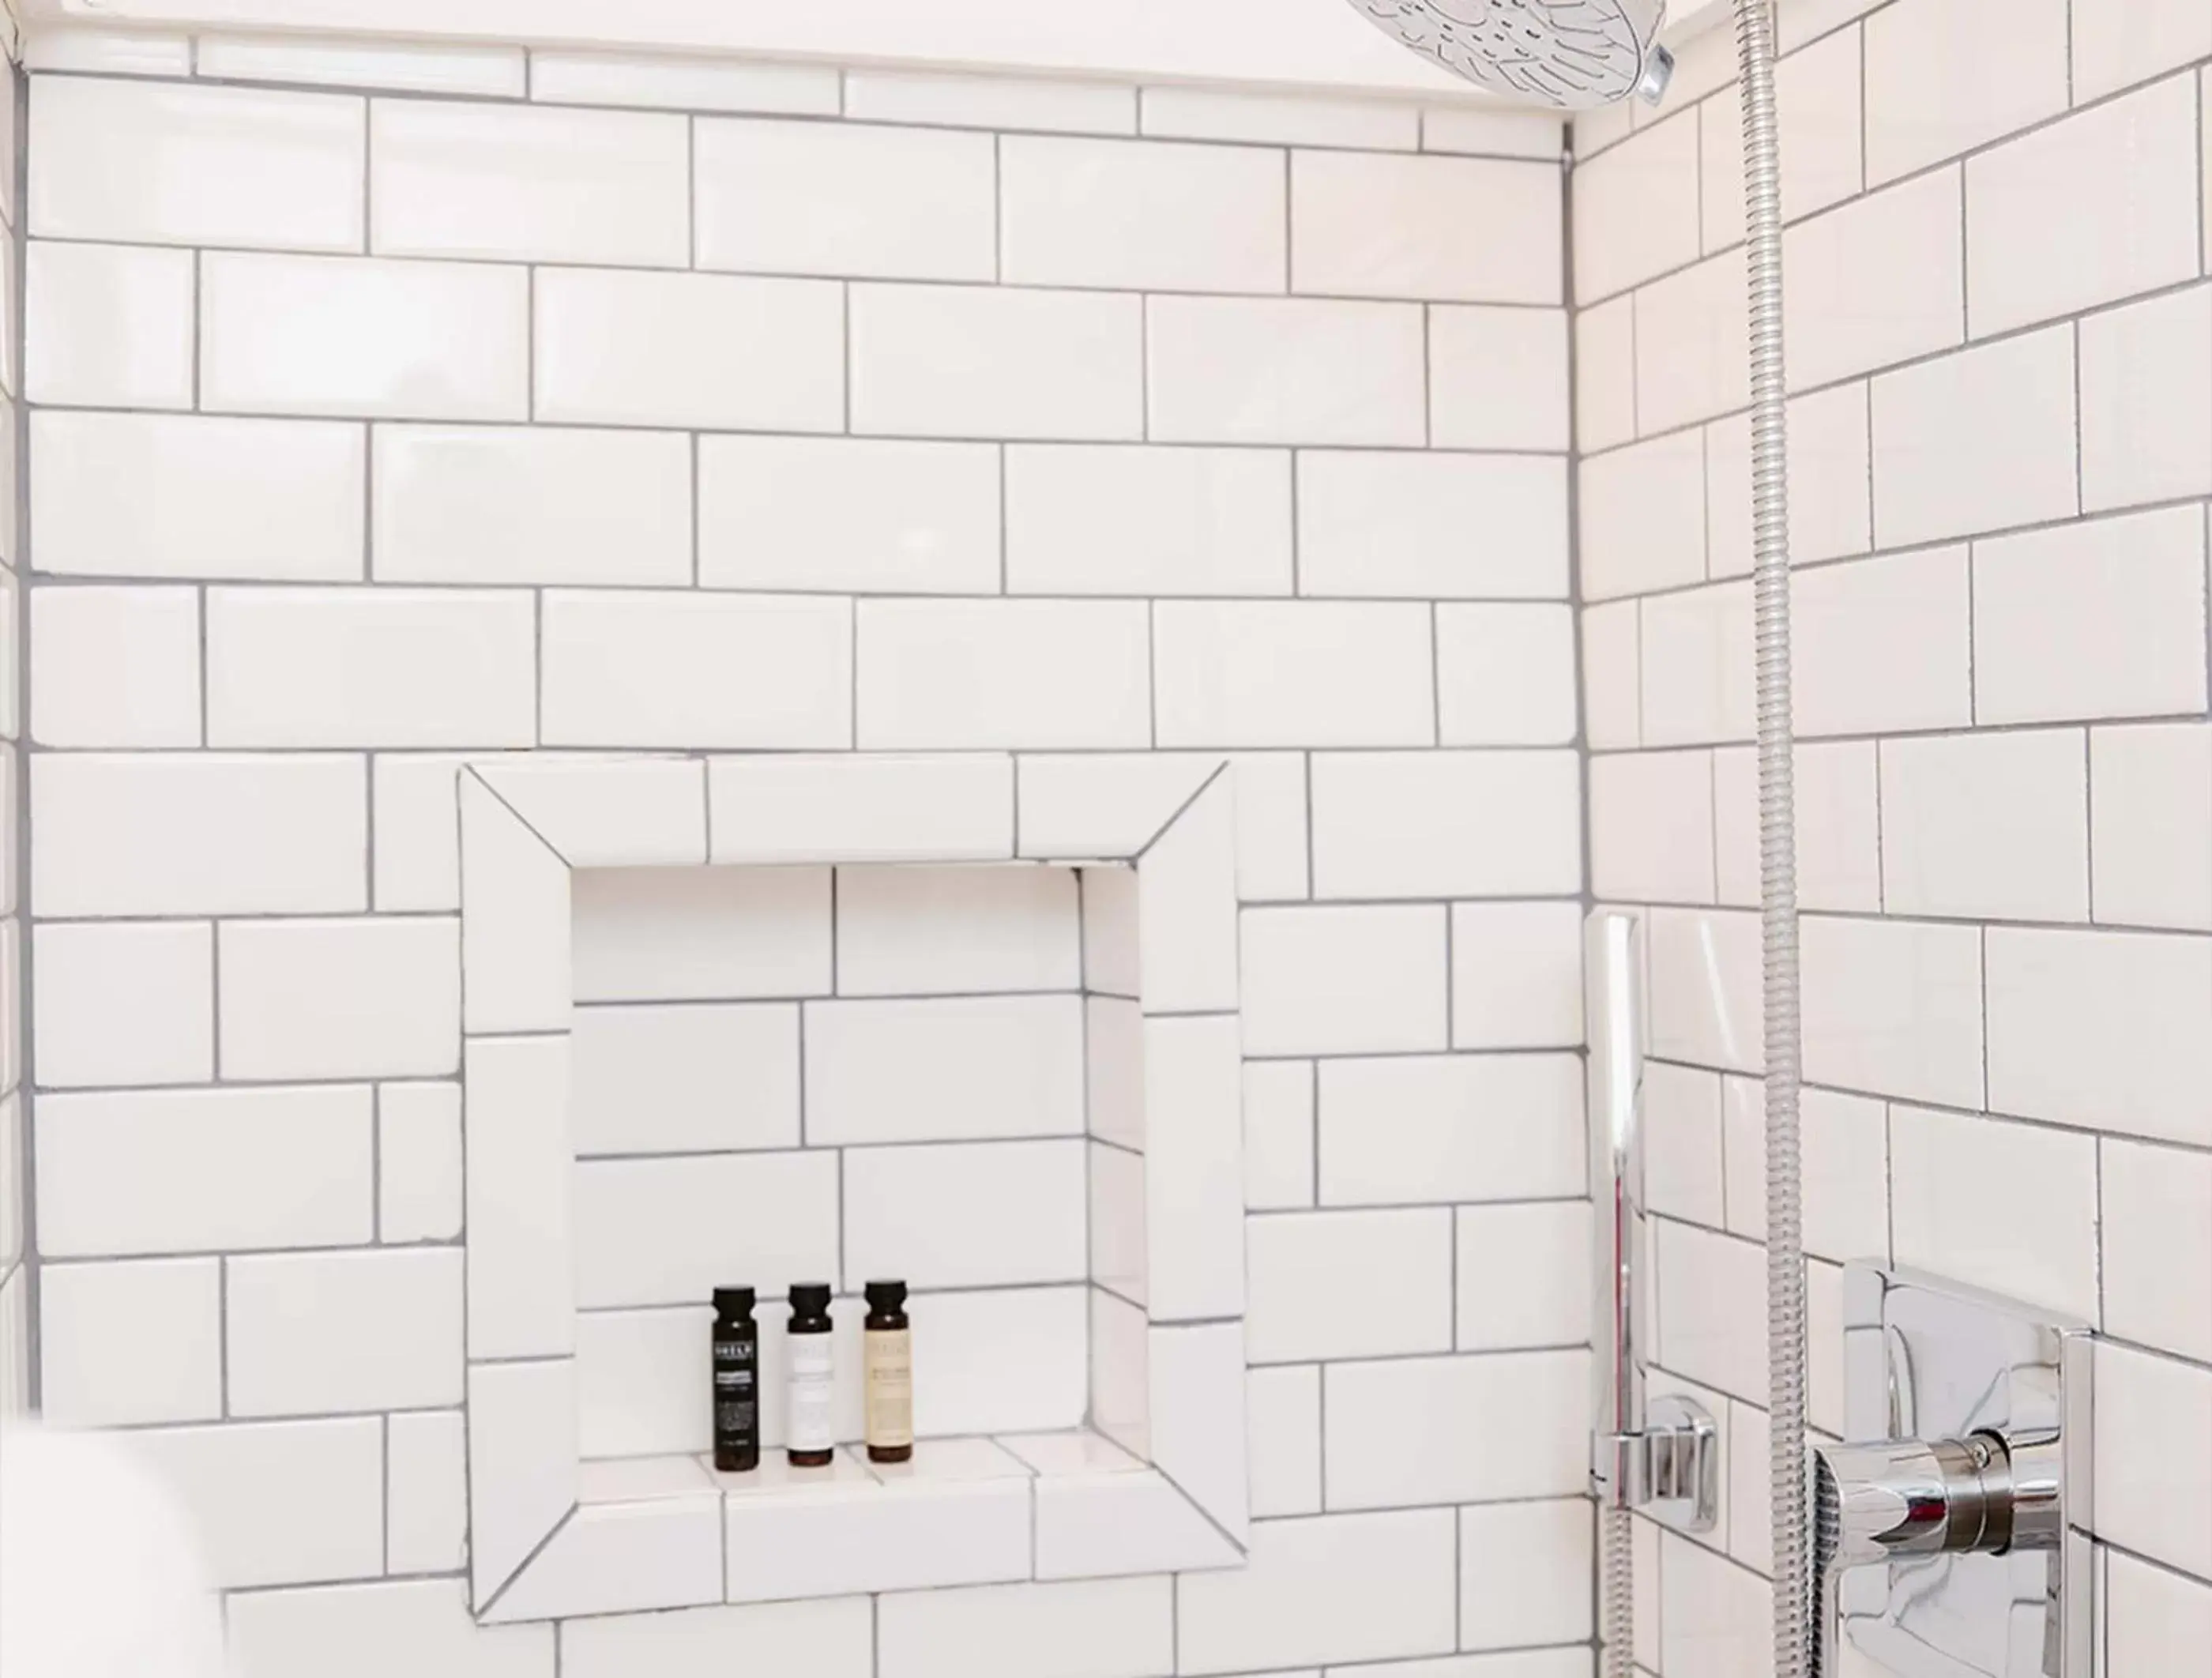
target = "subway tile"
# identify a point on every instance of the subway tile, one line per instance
(2150, 825)
(1516, 975)
(486, 504)
(1878, 280)
(666, 1231)
(1308, 673)
(1817, 92)
(1283, 1428)
(689, 1077)
(1642, 516)
(522, 1468)
(211, 497)
(122, 1344)
(419, 1157)
(1416, 1129)
(2104, 619)
(1635, 208)
(1612, 679)
(489, 71)
(1145, 215)
(1696, 665)
(519, 1208)
(277, 1502)
(1838, 841)
(1431, 526)
(1308, 1298)
(1344, 979)
(674, 668)
(707, 934)
(2149, 1612)
(509, 183)
(1692, 354)
(979, 361)
(1652, 817)
(2116, 46)
(316, 1333)
(1686, 1158)
(972, 1533)
(944, 1069)
(2099, 206)
(357, 1631)
(1505, 675)
(1605, 373)
(632, 1398)
(227, 1171)
(338, 667)
(1712, 1303)
(991, 101)
(339, 336)
(1498, 378)
(833, 1636)
(115, 666)
(1520, 1569)
(711, 350)
(1831, 482)
(919, 930)
(1717, 1618)
(1945, 76)
(98, 51)
(123, 1004)
(1373, 225)
(1087, 1629)
(966, 1214)
(1485, 131)
(2156, 1503)
(2054, 1262)
(1524, 1276)
(1909, 613)
(174, 165)
(1846, 1163)
(108, 325)
(603, 811)
(164, 834)
(2096, 1029)
(776, 513)
(1115, 519)
(1894, 1007)
(1703, 991)
(1003, 674)
(1205, 114)
(1284, 370)
(1462, 824)
(1454, 1430)
(1279, 1135)
(854, 199)
(978, 1388)
(2155, 1217)
(683, 83)
(379, 996)
(1980, 441)
(2147, 401)
(792, 808)
(1989, 826)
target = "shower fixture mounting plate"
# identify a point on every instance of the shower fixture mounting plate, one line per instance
(1927, 1359)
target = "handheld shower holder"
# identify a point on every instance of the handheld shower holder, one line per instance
(1670, 1468)
(1951, 1540)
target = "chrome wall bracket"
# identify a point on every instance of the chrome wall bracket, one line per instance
(1953, 1533)
(1660, 1454)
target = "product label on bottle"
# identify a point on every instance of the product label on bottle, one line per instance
(889, 1354)
(736, 1397)
(812, 1424)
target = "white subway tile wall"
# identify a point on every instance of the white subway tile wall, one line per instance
(2001, 448)
(619, 403)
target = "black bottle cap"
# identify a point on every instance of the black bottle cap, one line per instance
(733, 1302)
(886, 1296)
(810, 1298)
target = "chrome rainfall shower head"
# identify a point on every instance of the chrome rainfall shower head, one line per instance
(1569, 54)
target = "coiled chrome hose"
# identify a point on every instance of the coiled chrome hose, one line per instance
(1794, 1655)
(1616, 1531)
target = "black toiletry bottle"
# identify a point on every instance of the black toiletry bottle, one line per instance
(810, 1418)
(736, 1380)
(888, 1370)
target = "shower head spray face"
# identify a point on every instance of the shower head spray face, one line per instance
(1569, 54)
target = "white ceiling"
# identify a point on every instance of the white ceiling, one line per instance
(1320, 43)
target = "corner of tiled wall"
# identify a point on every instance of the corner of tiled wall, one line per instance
(18, 1247)
(1999, 339)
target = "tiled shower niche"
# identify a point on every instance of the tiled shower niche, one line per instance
(776, 1019)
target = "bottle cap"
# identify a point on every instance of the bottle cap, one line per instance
(886, 1296)
(733, 1302)
(810, 1298)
